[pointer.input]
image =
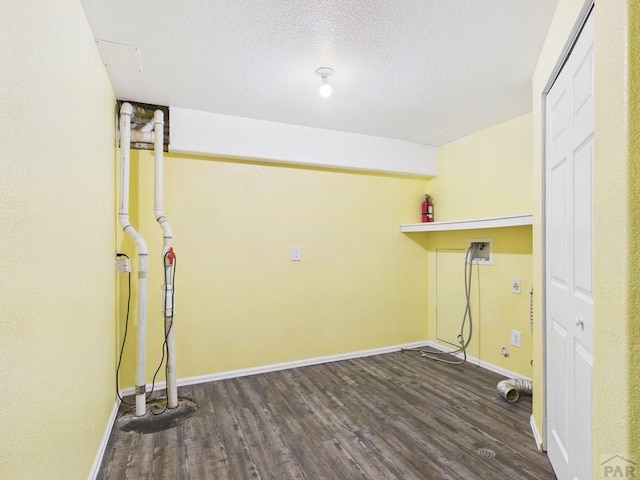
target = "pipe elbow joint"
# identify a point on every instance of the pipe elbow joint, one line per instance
(123, 218)
(126, 109)
(158, 117)
(142, 246)
(135, 236)
(165, 225)
(142, 136)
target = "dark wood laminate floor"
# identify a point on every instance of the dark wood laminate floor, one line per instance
(393, 416)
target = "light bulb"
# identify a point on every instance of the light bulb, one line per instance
(325, 88)
(324, 73)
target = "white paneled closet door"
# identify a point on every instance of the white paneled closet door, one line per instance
(569, 298)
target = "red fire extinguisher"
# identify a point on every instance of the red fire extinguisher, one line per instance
(427, 209)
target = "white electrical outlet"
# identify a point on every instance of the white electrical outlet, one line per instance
(516, 338)
(296, 254)
(515, 285)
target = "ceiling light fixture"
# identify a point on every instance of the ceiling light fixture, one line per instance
(324, 73)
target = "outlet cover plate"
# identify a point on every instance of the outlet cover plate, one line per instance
(516, 338)
(516, 286)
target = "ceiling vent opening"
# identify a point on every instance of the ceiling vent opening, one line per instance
(143, 115)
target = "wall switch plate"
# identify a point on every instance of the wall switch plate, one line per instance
(516, 338)
(515, 285)
(296, 254)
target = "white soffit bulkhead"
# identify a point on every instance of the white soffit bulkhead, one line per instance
(203, 133)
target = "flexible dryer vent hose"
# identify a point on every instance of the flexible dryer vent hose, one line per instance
(512, 388)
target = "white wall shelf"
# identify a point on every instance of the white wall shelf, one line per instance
(475, 224)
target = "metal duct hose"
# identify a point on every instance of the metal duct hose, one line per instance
(512, 388)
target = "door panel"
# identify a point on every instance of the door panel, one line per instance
(558, 398)
(557, 224)
(568, 257)
(583, 367)
(558, 114)
(583, 86)
(582, 219)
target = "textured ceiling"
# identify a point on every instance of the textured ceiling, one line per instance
(427, 71)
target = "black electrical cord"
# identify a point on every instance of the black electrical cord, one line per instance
(166, 335)
(433, 354)
(165, 346)
(124, 337)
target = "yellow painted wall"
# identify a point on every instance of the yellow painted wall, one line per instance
(485, 175)
(495, 309)
(241, 302)
(616, 404)
(631, 323)
(56, 211)
(563, 21)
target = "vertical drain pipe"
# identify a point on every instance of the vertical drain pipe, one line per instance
(167, 258)
(126, 111)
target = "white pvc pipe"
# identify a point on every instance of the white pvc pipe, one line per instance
(167, 234)
(141, 136)
(126, 111)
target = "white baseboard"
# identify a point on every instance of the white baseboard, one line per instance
(319, 360)
(536, 434)
(486, 365)
(95, 468)
(277, 367)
